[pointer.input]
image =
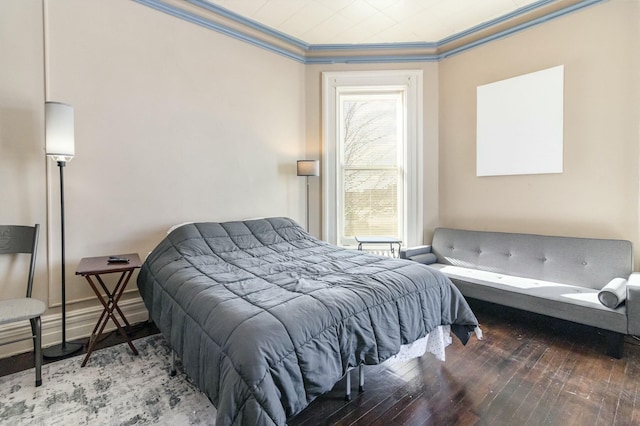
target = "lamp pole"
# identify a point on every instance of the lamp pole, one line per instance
(307, 177)
(308, 168)
(61, 165)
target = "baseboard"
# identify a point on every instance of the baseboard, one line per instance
(80, 324)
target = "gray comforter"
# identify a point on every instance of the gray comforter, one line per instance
(266, 317)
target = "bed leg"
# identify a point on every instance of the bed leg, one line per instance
(173, 363)
(361, 378)
(347, 395)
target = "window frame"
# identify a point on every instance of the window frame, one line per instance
(409, 81)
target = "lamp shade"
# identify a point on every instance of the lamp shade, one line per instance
(59, 131)
(308, 167)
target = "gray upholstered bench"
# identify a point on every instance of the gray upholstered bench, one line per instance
(584, 280)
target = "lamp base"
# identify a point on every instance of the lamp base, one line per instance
(61, 350)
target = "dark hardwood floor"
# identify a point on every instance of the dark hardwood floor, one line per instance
(528, 370)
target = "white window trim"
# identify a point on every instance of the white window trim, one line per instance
(412, 80)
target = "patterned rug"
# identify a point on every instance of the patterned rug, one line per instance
(115, 388)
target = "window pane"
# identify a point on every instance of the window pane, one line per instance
(370, 202)
(369, 130)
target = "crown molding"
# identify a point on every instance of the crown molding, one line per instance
(221, 11)
(224, 21)
(231, 27)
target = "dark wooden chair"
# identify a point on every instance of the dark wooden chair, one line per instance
(23, 240)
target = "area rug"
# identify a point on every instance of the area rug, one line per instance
(115, 388)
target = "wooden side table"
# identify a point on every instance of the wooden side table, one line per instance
(94, 267)
(380, 240)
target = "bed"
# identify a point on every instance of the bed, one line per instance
(265, 317)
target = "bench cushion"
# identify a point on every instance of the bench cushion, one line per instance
(563, 301)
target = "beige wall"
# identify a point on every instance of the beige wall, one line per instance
(597, 194)
(22, 163)
(174, 123)
(430, 133)
(171, 126)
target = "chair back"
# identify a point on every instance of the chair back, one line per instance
(21, 239)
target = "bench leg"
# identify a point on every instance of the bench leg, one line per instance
(615, 345)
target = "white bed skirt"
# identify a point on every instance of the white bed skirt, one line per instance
(434, 342)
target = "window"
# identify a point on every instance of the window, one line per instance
(372, 173)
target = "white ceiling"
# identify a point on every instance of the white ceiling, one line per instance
(371, 21)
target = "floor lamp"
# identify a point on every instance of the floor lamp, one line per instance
(308, 168)
(59, 145)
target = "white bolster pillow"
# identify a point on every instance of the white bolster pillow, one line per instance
(614, 293)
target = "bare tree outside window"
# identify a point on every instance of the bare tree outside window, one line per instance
(371, 158)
